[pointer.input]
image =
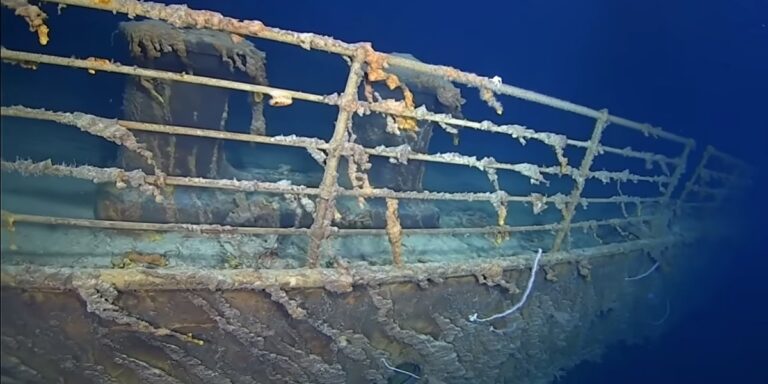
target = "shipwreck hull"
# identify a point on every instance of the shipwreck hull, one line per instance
(147, 326)
(178, 267)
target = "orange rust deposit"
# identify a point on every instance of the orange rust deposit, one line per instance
(42, 34)
(394, 232)
(392, 82)
(407, 123)
(237, 39)
(99, 61)
(132, 258)
(404, 122)
(377, 62)
(34, 16)
(490, 99)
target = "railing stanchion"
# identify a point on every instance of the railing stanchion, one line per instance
(694, 178)
(581, 178)
(326, 201)
(679, 170)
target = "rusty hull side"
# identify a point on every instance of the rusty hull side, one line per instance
(92, 332)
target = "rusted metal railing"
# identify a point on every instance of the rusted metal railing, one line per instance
(325, 204)
(581, 178)
(362, 59)
(113, 287)
(700, 191)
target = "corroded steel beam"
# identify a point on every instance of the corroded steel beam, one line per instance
(584, 168)
(679, 170)
(695, 178)
(10, 217)
(326, 200)
(334, 279)
(108, 66)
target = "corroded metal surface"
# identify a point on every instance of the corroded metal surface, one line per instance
(94, 332)
(434, 93)
(167, 321)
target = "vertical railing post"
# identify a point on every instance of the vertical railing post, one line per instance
(678, 172)
(325, 206)
(694, 178)
(581, 178)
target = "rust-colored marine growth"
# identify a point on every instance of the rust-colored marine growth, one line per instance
(33, 15)
(377, 62)
(501, 210)
(487, 95)
(99, 62)
(133, 259)
(394, 232)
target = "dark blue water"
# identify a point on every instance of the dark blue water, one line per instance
(724, 342)
(698, 68)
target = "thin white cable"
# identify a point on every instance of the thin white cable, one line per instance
(517, 306)
(386, 364)
(648, 272)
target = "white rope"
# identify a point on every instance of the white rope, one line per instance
(648, 272)
(399, 370)
(517, 306)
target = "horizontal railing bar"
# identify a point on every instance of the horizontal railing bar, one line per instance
(520, 132)
(226, 229)
(524, 94)
(514, 130)
(18, 56)
(141, 226)
(306, 142)
(622, 199)
(475, 196)
(648, 156)
(58, 117)
(97, 65)
(107, 175)
(58, 278)
(183, 17)
(496, 229)
(103, 175)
